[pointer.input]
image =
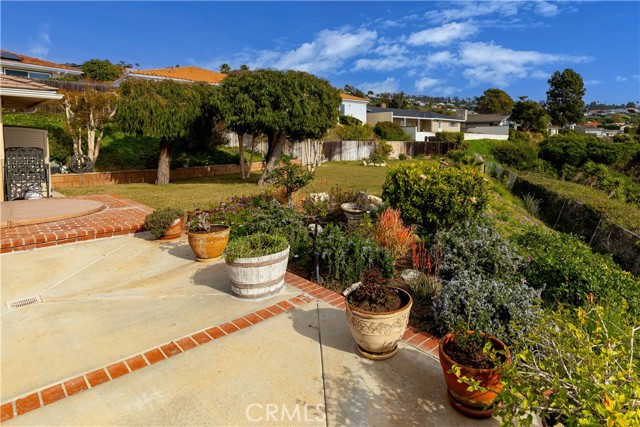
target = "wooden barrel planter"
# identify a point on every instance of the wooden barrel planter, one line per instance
(258, 277)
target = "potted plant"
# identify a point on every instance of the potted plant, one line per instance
(206, 239)
(471, 363)
(377, 315)
(165, 223)
(256, 265)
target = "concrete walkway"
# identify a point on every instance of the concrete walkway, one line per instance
(135, 332)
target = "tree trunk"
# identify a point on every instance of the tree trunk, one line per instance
(241, 151)
(276, 145)
(253, 150)
(164, 161)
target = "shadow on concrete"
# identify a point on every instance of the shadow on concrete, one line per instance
(407, 390)
(213, 276)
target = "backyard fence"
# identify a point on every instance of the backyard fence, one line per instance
(573, 216)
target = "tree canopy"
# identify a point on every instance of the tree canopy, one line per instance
(564, 98)
(101, 70)
(530, 116)
(282, 105)
(164, 109)
(494, 101)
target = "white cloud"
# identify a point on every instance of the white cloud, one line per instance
(40, 47)
(546, 8)
(390, 84)
(490, 63)
(327, 52)
(474, 9)
(446, 34)
(445, 90)
(621, 79)
(425, 83)
(387, 49)
(592, 82)
(442, 57)
(381, 64)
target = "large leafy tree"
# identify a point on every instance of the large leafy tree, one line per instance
(564, 97)
(494, 101)
(171, 111)
(283, 105)
(530, 116)
(101, 70)
(87, 114)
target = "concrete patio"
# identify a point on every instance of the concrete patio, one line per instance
(131, 331)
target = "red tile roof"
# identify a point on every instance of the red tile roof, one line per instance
(194, 74)
(352, 98)
(36, 61)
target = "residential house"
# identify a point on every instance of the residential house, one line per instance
(420, 125)
(188, 74)
(354, 106)
(487, 124)
(18, 65)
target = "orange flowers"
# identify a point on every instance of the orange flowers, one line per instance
(392, 234)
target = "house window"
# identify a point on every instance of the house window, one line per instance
(439, 125)
(29, 74)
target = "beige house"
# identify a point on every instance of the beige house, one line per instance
(418, 124)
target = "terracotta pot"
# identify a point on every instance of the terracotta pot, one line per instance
(209, 245)
(258, 277)
(377, 334)
(174, 230)
(478, 404)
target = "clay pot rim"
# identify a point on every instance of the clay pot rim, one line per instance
(497, 342)
(352, 307)
(220, 228)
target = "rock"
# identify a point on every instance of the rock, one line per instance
(312, 227)
(375, 200)
(411, 276)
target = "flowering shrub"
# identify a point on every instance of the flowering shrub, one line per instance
(289, 176)
(505, 308)
(391, 233)
(435, 197)
(345, 256)
(585, 359)
(568, 271)
(477, 248)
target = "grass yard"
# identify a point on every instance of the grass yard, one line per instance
(506, 208)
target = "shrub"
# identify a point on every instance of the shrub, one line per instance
(255, 245)
(345, 256)
(390, 131)
(60, 143)
(520, 155)
(159, 220)
(475, 247)
(382, 151)
(531, 204)
(568, 271)
(355, 133)
(562, 149)
(277, 220)
(435, 197)
(584, 358)
(605, 152)
(402, 156)
(503, 308)
(392, 234)
(456, 138)
(289, 176)
(349, 121)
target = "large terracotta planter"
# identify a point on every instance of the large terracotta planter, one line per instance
(478, 404)
(209, 245)
(174, 230)
(259, 277)
(377, 334)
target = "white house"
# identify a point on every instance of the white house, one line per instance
(354, 106)
(418, 124)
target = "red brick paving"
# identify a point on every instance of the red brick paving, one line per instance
(122, 216)
(27, 404)
(52, 394)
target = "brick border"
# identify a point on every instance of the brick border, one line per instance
(87, 380)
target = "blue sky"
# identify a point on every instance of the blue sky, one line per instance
(451, 48)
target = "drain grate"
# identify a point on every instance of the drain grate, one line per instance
(23, 302)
